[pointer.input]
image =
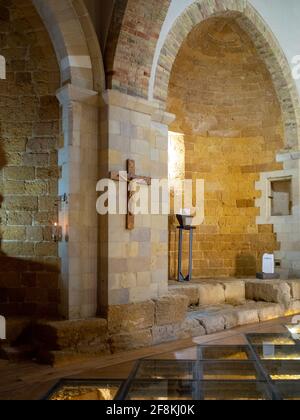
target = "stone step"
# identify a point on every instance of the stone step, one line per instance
(16, 354)
(89, 336)
(62, 358)
(16, 328)
(214, 292)
(275, 291)
(224, 317)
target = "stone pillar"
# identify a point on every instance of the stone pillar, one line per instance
(78, 158)
(134, 264)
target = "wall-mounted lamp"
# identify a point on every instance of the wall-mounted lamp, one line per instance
(57, 235)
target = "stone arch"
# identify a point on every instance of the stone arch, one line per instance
(267, 46)
(83, 80)
(132, 39)
(75, 42)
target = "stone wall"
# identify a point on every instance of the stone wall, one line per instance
(226, 108)
(29, 132)
(134, 263)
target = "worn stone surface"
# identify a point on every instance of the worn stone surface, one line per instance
(165, 333)
(295, 289)
(192, 292)
(133, 317)
(235, 292)
(211, 294)
(170, 309)
(80, 336)
(269, 312)
(268, 291)
(293, 308)
(212, 323)
(191, 328)
(130, 341)
(246, 316)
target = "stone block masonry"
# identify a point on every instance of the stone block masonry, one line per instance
(134, 263)
(29, 135)
(169, 318)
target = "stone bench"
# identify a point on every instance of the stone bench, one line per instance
(212, 292)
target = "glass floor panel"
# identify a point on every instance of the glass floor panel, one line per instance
(170, 390)
(229, 371)
(208, 352)
(267, 368)
(271, 352)
(187, 370)
(81, 390)
(224, 353)
(275, 339)
(165, 369)
(289, 390)
(282, 370)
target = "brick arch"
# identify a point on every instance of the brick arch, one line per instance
(131, 44)
(75, 42)
(267, 46)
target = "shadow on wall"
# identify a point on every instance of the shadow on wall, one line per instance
(27, 288)
(246, 265)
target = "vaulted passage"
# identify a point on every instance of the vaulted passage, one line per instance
(229, 120)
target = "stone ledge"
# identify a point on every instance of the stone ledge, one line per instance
(211, 292)
(170, 309)
(165, 320)
(83, 335)
(133, 317)
(275, 291)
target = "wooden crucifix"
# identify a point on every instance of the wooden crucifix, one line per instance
(131, 176)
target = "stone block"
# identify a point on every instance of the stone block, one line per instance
(170, 309)
(79, 335)
(130, 341)
(267, 312)
(211, 294)
(212, 323)
(165, 333)
(246, 316)
(295, 289)
(230, 319)
(293, 308)
(191, 328)
(191, 292)
(129, 318)
(269, 291)
(235, 292)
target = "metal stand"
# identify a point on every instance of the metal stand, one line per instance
(181, 277)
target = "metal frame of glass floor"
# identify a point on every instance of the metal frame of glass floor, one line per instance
(266, 368)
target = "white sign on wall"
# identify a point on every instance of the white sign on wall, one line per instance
(268, 264)
(2, 328)
(2, 67)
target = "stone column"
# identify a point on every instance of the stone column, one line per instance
(78, 158)
(134, 264)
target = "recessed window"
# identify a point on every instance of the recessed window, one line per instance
(281, 197)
